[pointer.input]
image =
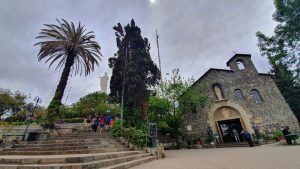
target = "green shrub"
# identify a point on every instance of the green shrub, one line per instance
(278, 133)
(117, 130)
(74, 120)
(139, 137)
(15, 118)
(17, 123)
(133, 135)
(41, 120)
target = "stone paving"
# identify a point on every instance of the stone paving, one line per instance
(274, 156)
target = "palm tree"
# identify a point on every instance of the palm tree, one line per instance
(72, 48)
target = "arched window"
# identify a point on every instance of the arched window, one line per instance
(238, 94)
(256, 96)
(193, 108)
(240, 64)
(218, 91)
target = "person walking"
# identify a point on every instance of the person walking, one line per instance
(102, 122)
(236, 135)
(247, 137)
(87, 123)
(112, 122)
(108, 118)
(95, 123)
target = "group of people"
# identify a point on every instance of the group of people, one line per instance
(235, 134)
(247, 136)
(97, 123)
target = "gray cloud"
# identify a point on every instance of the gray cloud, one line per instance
(194, 36)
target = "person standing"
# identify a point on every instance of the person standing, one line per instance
(256, 131)
(285, 131)
(210, 135)
(247, 137)
(236, 135)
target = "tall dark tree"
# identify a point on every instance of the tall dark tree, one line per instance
(286, 82)
(283, 50)
(284, 45)
(73, 48)
(132, 68)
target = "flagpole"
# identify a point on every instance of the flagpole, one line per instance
(159, 62)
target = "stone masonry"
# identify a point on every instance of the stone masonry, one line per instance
(268, 114)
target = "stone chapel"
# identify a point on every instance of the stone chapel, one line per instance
(241, 97)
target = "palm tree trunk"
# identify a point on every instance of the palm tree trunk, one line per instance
(56, 100)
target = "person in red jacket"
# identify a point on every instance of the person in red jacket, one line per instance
(102, 122)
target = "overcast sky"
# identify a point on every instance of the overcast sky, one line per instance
(194, 35)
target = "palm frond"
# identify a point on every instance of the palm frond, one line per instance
(65, 40)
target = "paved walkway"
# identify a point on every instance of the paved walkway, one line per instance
(261, 157)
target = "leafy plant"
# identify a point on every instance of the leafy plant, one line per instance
(278, 133)
(117, 130)
(198, 137)
(74, 120)
(133, 135)
(5, 125)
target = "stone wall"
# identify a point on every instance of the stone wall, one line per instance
(268, 115)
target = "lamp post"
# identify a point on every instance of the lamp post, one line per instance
(37, 100)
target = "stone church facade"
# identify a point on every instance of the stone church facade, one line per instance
(241, 97)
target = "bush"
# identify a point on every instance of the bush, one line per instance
(74, 120)
(133, 135)
(41, 119)
(17, 123)
(278, 133)
(139, 137)
(117, 130)
(15, 118)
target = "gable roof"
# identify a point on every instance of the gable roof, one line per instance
(236, 55)
(209, 70)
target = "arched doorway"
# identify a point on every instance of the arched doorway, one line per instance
(226, 120)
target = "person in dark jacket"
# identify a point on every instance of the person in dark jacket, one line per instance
(247, 137)
(95, 123)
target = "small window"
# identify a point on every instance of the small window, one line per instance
(238, 94)
(256, 96)
(240, 64)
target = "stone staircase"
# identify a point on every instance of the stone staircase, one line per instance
(73, 151)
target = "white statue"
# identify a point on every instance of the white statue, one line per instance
(103, 82)
(218, 93)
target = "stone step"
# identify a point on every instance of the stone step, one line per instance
(85, 133)
(79, 136)
(88, 133)
(41, 148)
(81, 140)
(78, 151)
(92, 164)
(68, 144)
(132, 163)
(59, 159)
